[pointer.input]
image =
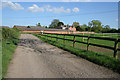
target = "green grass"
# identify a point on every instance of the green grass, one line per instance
(8, 47)
(109, 62)
(102, 42)
(102, 51)
(96, 41)
(0, 60)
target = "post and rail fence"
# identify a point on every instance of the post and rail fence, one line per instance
(115, 48)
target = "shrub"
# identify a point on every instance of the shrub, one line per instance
(8, 33)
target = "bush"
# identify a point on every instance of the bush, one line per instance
(8, 33)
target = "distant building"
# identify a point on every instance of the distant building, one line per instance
(38, 28)
(71, 28)
(28, 28)
(4, 27)
(35, 28)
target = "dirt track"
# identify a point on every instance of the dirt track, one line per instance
(34, 58)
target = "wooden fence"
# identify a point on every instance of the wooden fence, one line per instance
(115, 48)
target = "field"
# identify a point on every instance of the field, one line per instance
(100, 50)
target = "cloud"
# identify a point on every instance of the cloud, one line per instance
(60, 10)
(35, 8)
(57, 9)
(76, 0)
(76, 9)
(48, 8)
(13, 6)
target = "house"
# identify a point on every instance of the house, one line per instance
(68, 27)
(72, 28)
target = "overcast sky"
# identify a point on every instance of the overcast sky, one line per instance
(30, 13)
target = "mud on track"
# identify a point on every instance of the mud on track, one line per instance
(34, 58)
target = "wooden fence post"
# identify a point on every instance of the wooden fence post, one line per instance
(57, 38)
(118, 45)
(83, 37)
(51, 37)
(41, 35)
(115, 48)
(74, 41)
(88, 42)
(47, 36)
(64, 40)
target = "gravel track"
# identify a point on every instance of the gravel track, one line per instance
(34, 58)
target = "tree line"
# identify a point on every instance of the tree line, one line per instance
(95, 26)
(92, 26)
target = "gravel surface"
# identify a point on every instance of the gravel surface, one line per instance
(34, 58)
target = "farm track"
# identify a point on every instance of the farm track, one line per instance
(34, 58)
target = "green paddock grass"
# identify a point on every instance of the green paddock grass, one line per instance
(0, 60)
(102, 51)
(96, 41)
(108, 35)
(94, 57)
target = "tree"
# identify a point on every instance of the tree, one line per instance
(84, 27)
(119, 30)
(54, 23)
(106, 29)
(78, 28)
(46, 27)
(113, 30)
(38, 24)
(96, 25)
(76, 24)
(60, 24)
(89, 26)
(43, 26)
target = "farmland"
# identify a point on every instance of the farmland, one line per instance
(102, 51)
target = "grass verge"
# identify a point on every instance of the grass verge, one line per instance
(109, 62)
(8, 48)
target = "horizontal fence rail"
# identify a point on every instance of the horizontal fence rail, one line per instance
(115, 48)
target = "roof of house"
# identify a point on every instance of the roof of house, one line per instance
(36, 28)
(4, 27)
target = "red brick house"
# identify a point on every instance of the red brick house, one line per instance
(72, 28)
